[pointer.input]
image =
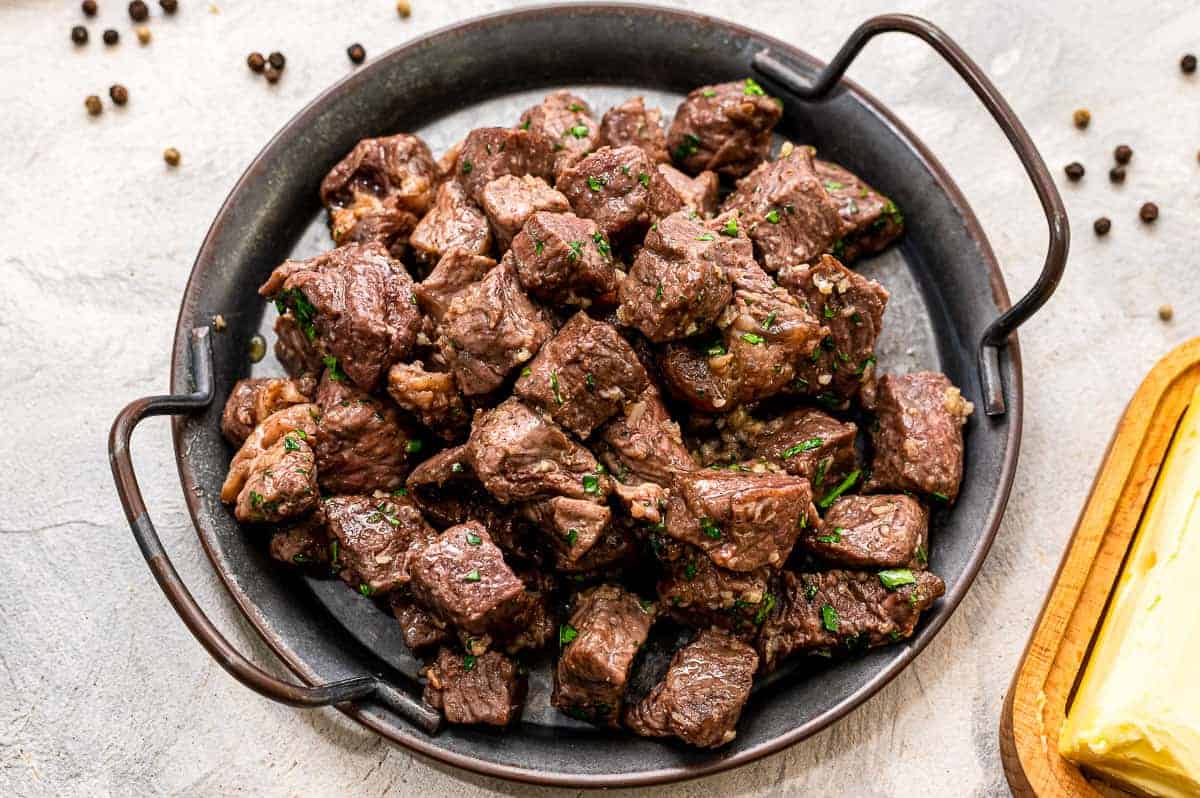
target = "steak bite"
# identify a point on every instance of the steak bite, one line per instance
(725, 128)
(599, 643)
(489, 329)
(431, 396)
(699, 594)
(573, 526)
(379, 191)
(456, 270)
(619, 189)
(295, 350)
(491, 152)
(583, 375)
(644, 444)
(376, 540)
(486, 688)
(355, 303)
(632, 123)
(881, 531)
(363, 445)
(561, 258)
(698, 193)
(453, 221)
(701, 697)
(787, 211)
(281, 483)
(509, 201)
(680, 281)
(744, 520)
(253, 399)
(871, 221)
(304, 543)
(851, 307)
(299, 421)
(519, 456)
(420, 628)
(564, 121)
(805, 442)
(918, 442)
(820, 611)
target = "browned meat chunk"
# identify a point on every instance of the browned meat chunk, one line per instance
(615, 551)
(643, 443)
(699, 594)
(295, 350)
(817, 612)
(253, 399)
(701, 697)
(804, 442)
(453, 221)
(304, 543)
(562, 258)
(363, 444)
(281, 484)
(376, 540)
(355, 303)
(725, 128)
(632, 123)
(881, 531)
(379, 191)
(743, 520)
(787, 211)
(620, 190)
(573, 526)
(419, 628)
(519, 456)
(918, 441)
(456, 270)
(431, 396)
(851, 307)
(563, 120)
(486, 688)
(489, 329)
(492, 152)
(871, 221)
(299, 421)
(509, 201)
(583, 375)
(599, 643)
(698, 193)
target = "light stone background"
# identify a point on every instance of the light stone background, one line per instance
(102, 690)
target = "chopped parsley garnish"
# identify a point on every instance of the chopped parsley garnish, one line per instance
(589, 381)
(538, 247)
(335, 373)
(554, 387)
(767, 322)
(842, 487)
(689, 572)
(705, 237)
(572, 536)
(833, 537)
(646, 607)
(810, 591)
(574, 250)
(579, 131)
(644, 178)
(865, 365)
(940, 496)
(413, 446)
(333, 553)
(689, 146)
(764, 609)
(473, 576)
(772, 216)
(829, 312)
(716, 350)
(897, 577)
(752, 338)
(576, 107)
(290, 444)
(601, 244)
(596, 183)
(474, 539)
(839, 249)
(822, 467)
(566, 633)
(709, 528)
(469, 662)
(803, 446)
(833, 185)
(922, 555)
(525, 372)
(659, 293)
(365, 589)
(709, 93)
(802, 521)
(829, 618)
(731, 227)
(456, 468)
(751, 88)
(467, 166)
(591, 484)
(302, 309)
(300, 559)
(524, 125)
(387, 515)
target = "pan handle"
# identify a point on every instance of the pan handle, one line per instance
(998, 331)
(353, 689)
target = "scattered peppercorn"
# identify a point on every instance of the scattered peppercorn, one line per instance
(1166, 312)
(79, 35)
(1117, 174)
(277, 60)
(258, 348)
(272, 74)
(118, 93)
(93, 105)
(1188, 64)
(1149, 212)
(1123, 153)
(1074, 171)
(404, 8)
(1102, 226)
(111, 37)
(357, 53)
(256, 62)
(1082, 118)
(171, 156)
(89, 7)
(143, 34)
(169, 6)
(138, 11)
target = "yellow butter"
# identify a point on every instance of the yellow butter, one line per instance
(1135, 719)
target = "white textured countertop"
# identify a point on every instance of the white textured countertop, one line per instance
(103, 691)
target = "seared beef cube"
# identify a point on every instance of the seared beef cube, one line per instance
(702, 374)
(355, 302)
(573, 526)
(431, 396)
(561, 258)
(918, 441)
(363, 445)
(725, 128)
(699, 594)
(851, 308)
(787, 211)
(519, 456)
(583, 375)
(632, 123)
(599, 643)
(419, 628)
(492, 152)
(489, 329)
(820, 611)
(881, 531)
(614, 552)
(299, 421)
(804, 442)
(295, 350)
(456, 270)
(282, 483)
(701, 697)
(871, 220)
(453, 221)
(564, 121)
(743, 520)
(253, 399)
(698, 193)
(532, 626)
(304, 543)
(619, 189)
(380, 190)
(485, 688)
(644, 443)
(680, 281)
(376, 540)
(462, 576)
(509, 201)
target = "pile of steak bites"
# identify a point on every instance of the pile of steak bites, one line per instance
(562, 386)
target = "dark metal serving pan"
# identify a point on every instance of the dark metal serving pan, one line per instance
(949, 311)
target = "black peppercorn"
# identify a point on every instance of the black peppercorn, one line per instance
(256, 62)
(1149, 212)
(169, 6)
(1074, 171)
(93, 105)
(1188, 64)
(1123, 153)
(79, 35)
(138, 11)
(89, 7)
(118, 93)
(1117, 174)
(1102, 226)
(357, 53)
(271, 74)
(277, 60)
(111, 37)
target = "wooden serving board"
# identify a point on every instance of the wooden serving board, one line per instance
(1044, 683)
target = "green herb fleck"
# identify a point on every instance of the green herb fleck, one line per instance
(833, 537)
(709, 528)
(752, 338)
(290, 444)
(365, 589)
(764, 609)
(574, 250)
(589, 381)
(456, 468)
(659, 293)
(803, 446)
(766, 325)
(731, 227)
(896, 577)
(689, 572)
(842, 487)
(525, 372)
(554, 387)
(772, 216)
(689, 146)
(822, 467)
(413, 446)
(709, 93)
(467, 166)
(940, 496)
(601, 244)
(473, 576)
(829, 618)
(474, 539)
(810, 591)
(591, 484)
(596, 183)
(922, 555)
(751, 88)
(566, 633)
(833, 185)
(335, 373)
(705, 237)
(579, 131)
(469, 662)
